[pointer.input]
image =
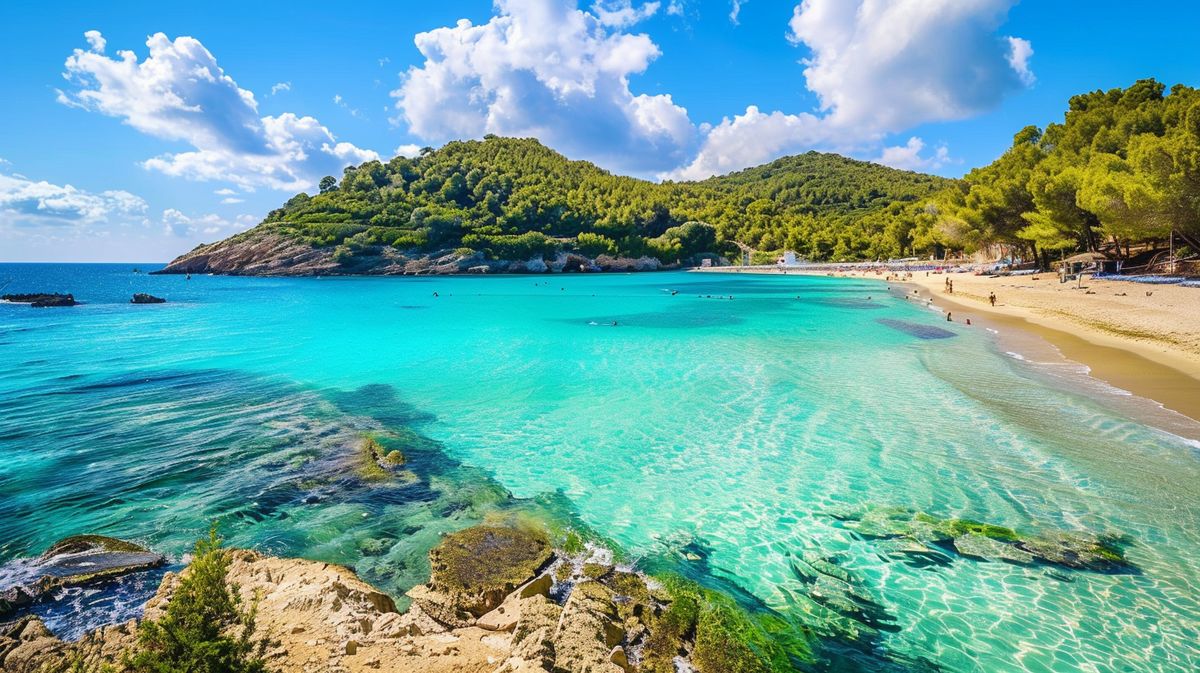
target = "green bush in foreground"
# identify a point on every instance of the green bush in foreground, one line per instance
(205, 628)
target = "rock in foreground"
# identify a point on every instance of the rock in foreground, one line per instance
(479, 566)
(143, 298)
(74, 561)
(321, 617)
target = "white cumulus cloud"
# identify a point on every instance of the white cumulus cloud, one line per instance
(622, 13)
(25, 202)
(878, 67)
(908, 156)
(750, 139)
(179, 93)
(548, 69)
(1020, 51)
(95, 41)
(408, 150)
(177, 223)
(887, 65)
(278, 87)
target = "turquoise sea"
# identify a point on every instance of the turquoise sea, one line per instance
(702, 433)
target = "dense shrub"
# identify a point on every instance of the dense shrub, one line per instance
(205, 628)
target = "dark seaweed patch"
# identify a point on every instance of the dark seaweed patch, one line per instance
(917, 329)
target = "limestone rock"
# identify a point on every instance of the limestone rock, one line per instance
(478, 567)
(588, 631)
(507, 614)
(533, 637)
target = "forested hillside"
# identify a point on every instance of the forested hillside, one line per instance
(1123, 168)
(514, 198)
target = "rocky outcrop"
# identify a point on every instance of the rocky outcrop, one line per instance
(74, 561)
(256, 253)
(488, 608)
(264, 251)
(607, 263)
(477, 567)
(41, 299)
(143, 298)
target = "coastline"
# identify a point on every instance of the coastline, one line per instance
(1100, 331)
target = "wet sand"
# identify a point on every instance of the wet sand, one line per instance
(1147, 345)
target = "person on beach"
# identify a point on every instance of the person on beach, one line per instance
(948, 318)
(992, 299)
(951, 285)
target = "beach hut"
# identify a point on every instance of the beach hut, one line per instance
(1085, 262)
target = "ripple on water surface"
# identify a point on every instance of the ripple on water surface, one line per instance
(716, 434)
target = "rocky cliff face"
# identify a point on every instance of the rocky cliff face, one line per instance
(499, 601)
(265, 253)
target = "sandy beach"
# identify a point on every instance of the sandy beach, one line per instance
(1141, 338)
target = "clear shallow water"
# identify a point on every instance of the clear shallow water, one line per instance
(731, 425)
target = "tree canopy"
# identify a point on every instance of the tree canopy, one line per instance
(514, 198)
(1122, 167)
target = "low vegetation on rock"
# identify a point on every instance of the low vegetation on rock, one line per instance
(376, 461)
(205, 627)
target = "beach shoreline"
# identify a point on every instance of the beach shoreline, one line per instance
(1088, 323)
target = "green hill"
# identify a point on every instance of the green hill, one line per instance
(515, 199)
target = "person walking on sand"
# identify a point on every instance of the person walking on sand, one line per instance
(992, 299)
(951, 285)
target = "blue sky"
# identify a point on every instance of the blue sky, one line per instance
(106, 156)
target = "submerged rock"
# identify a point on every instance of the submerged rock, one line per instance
(919, 330)
(833, 588)
(990, 549)
(74, 561)
(895, 526)
(143, 298)
(1083, 551)
(377, 462)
